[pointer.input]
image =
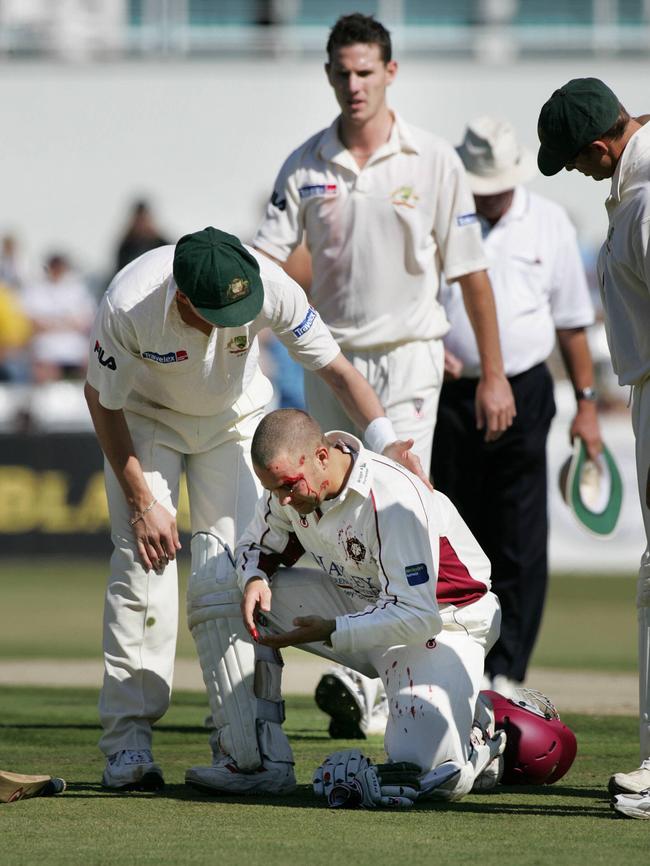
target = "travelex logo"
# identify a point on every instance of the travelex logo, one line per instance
(416, 574)
(324, 189)
(466, 219)
(168, 357)
(306, 323)
(108, 362)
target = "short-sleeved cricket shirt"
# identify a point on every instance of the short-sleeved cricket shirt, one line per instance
(379, 236)
(143, 356)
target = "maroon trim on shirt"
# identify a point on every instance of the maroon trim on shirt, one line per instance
(269, 562)
(455, 584)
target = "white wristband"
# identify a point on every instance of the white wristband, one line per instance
(379, 433)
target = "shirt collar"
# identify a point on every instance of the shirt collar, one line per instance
(635, 155)
(517, 211)
(332, 148)
(170, 295)
(360, 478)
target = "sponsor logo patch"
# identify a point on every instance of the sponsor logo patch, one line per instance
(306, 323)
(105, 361)
(328, 190)
(168, 357)
(416, 574)
(466, 219)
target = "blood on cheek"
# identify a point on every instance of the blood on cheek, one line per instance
(291, 481)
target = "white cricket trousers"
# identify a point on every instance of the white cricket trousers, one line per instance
(431, 687)
(641, 426)
(141, 608)
(406, 378)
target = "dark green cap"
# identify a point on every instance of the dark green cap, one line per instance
(576, 114)
(219, 276)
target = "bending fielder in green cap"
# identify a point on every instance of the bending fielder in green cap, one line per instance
(174, 385)
(583, 126)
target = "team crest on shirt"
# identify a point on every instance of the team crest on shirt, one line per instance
(418, 403)
(238, 345)
(237, 289)
(404, 196)
(354, 548)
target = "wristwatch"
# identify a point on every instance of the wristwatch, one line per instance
(587, 393)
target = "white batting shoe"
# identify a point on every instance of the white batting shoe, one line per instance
(632, 805)
(225, 777)
(132, 770)
(631, 783)
(357, 705)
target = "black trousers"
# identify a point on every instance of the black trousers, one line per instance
(500, 490)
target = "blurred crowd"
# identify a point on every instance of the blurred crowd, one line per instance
(46, 313)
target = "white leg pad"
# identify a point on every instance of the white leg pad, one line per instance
(228, 658)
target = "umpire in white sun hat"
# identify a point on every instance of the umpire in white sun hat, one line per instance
(541, 294)
(494, 160)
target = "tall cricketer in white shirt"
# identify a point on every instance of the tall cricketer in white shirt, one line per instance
(384, 207)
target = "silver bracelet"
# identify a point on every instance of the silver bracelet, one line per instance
(140, 514)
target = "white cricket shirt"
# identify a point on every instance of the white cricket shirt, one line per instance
(538, 281)
(143, 356)
(387, 539)
(624, 263)
(379, 236)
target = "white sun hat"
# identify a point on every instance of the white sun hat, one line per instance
(493, 158)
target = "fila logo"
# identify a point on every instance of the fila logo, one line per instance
(105, 362)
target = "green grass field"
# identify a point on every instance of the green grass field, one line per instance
(52, 609)
(589, 623)
(55, 730)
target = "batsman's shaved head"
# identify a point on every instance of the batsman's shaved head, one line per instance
(285, 431)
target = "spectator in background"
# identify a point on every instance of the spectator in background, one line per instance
(15, 331)
(141, 235)
(541, 294)
(61, 309)
(12, 266)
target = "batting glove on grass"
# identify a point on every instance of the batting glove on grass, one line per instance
(389, 786)
(339, 767)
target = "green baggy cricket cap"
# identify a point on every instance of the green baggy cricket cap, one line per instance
(593, 489)
(219, 276)
(574, 116)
